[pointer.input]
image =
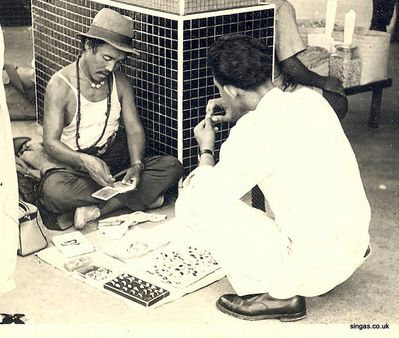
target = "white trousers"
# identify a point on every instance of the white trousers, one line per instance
(258, 257)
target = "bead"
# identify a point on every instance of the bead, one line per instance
(97, 85)
(78, 117)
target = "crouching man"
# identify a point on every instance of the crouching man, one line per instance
(293, 147)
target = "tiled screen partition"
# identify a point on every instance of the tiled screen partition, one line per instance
(171, 80)
(184, 7)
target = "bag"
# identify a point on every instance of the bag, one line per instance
(31, 237)
(27, 182)
(27, 187)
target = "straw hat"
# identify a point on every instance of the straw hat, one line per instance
(113, 28)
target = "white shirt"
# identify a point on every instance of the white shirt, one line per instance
(294, 148)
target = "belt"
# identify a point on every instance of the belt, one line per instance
(97, 151)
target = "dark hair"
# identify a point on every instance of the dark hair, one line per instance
(241, 61)
(94, 43)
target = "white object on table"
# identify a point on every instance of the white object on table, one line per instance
(325, 40)
(350, 19)
(330, 17)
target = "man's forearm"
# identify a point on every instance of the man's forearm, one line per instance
(136, 145)
(206, 159)
(298, 71)
(62, 153)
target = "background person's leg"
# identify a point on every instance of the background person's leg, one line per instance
(395, 32)
(382, 14)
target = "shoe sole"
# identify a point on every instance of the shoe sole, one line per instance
(292, 317)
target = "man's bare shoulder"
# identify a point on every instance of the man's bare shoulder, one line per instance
(57, 85)
(123, 83)
(121, 78)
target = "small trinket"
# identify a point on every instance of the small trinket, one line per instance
(95, 85)
(345, 64)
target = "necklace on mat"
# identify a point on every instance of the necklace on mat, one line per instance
(94, 85)
(78, 113)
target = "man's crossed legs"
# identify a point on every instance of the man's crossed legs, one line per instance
(65, 191)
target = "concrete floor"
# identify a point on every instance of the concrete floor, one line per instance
(57, 304)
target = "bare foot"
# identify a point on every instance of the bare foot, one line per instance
(86, 214)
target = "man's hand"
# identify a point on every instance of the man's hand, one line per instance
(97, 169)
(213, 105)
(204, 133)
(24, 169)
(133, 175)
(334, 85)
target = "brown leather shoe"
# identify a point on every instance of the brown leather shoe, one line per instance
(262, 306)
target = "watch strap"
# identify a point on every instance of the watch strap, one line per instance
(205, 151)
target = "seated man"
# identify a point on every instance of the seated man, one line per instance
(290, 144)
(92, 127)
(291, 55)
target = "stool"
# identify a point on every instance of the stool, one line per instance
(375, 87)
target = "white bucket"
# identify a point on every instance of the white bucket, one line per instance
(373, 48)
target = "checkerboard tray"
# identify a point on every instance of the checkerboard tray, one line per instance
(136, 289)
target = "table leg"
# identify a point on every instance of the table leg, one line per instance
(375, 107)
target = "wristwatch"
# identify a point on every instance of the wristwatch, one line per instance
(204, 151)
(138, 163)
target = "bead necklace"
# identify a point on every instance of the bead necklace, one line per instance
(78, 114)
(93, 84)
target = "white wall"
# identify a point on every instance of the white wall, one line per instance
(317, 9)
